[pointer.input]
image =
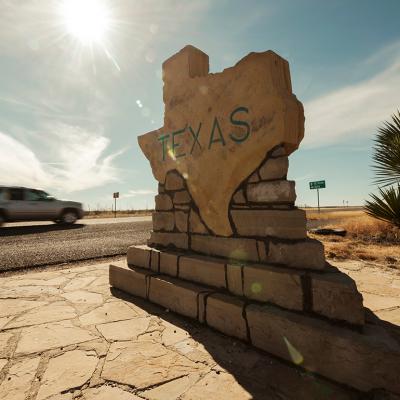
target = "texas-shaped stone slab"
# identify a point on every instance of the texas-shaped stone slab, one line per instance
(218, 128)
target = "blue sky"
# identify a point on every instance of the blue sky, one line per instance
(71, 111)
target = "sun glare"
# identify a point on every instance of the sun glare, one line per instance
(86, 20)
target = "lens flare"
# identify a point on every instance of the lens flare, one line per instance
(86, 20)
(295, 355)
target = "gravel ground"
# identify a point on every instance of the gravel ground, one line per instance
(31, 246)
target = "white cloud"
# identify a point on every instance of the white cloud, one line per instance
(354, 110)
(71, 159)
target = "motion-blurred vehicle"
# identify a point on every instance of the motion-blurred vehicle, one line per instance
(25, 204)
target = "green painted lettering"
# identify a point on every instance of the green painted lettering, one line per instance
(239, 122)
(195, 136)
(176, 145)
(164, 139)
(220, 138)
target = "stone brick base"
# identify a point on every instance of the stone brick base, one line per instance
(273, 309)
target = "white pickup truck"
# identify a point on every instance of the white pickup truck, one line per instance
(25, 204)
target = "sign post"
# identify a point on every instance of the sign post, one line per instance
(318, 185)
(115, 196)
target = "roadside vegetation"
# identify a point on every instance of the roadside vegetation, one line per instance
(367, 238)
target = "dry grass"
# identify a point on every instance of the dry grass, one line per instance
(367, 238)
(120, 214)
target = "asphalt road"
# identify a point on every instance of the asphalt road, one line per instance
(24, 245)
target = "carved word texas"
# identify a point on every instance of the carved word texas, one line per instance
(171, 145)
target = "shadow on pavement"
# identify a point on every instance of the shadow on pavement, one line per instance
(262, 375)
(28, 230)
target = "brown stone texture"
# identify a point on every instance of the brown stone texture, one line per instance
(145, 364)
(181, 221)
(234, 278)
(259, 83)
(230, 248)
(238, 197)
(271, 192)
(174, 181)
(225, 313)
(131, 281)
(203, 270)
(128, 329)
(195, 224)
(182, 197)
(335, 296)
(139, 256)
(163, 202)
(175, 295)
(275, 285)
(274, 168)
(199, 363)
(67, 371)
(289, 224)
(163, 221)
(306, 254)
(169, 263)
(364, 361)
(52, 335)
(155, 260)
(108, 393)
(176, 240)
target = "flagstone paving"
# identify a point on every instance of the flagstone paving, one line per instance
(65, 335)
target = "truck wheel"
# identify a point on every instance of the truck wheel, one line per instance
(68, 217)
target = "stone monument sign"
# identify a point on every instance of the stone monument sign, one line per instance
(229, 247)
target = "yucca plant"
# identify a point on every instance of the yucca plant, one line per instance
(386, 207)
(387, 153)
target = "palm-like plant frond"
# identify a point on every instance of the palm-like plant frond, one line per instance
(387, 153)
(386, 207)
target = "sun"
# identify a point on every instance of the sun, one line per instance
(86, 20)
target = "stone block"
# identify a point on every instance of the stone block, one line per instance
(279, 152)
(163, 221)
(275, 285)
(161, 188)
(274, 168)
(181, 221)
(290, 224)
(175, 295)
(169, 263)
(169, 240)
(231, 248)
(305, 254)
(238, 197)
(271, 192)
(335, 296)
(235, 279)
(155, 260)
(364, 361)
(254, 177)
(195, 224)
(202, 307)
(182, 197)
(132, 281)
(225, 313)
(262, 250)
(139, 256)
(203, 270)
(174, 181)
(163, 202)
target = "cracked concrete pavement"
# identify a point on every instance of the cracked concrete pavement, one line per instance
(65, 335)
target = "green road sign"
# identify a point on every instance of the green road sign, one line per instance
(317, 185)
